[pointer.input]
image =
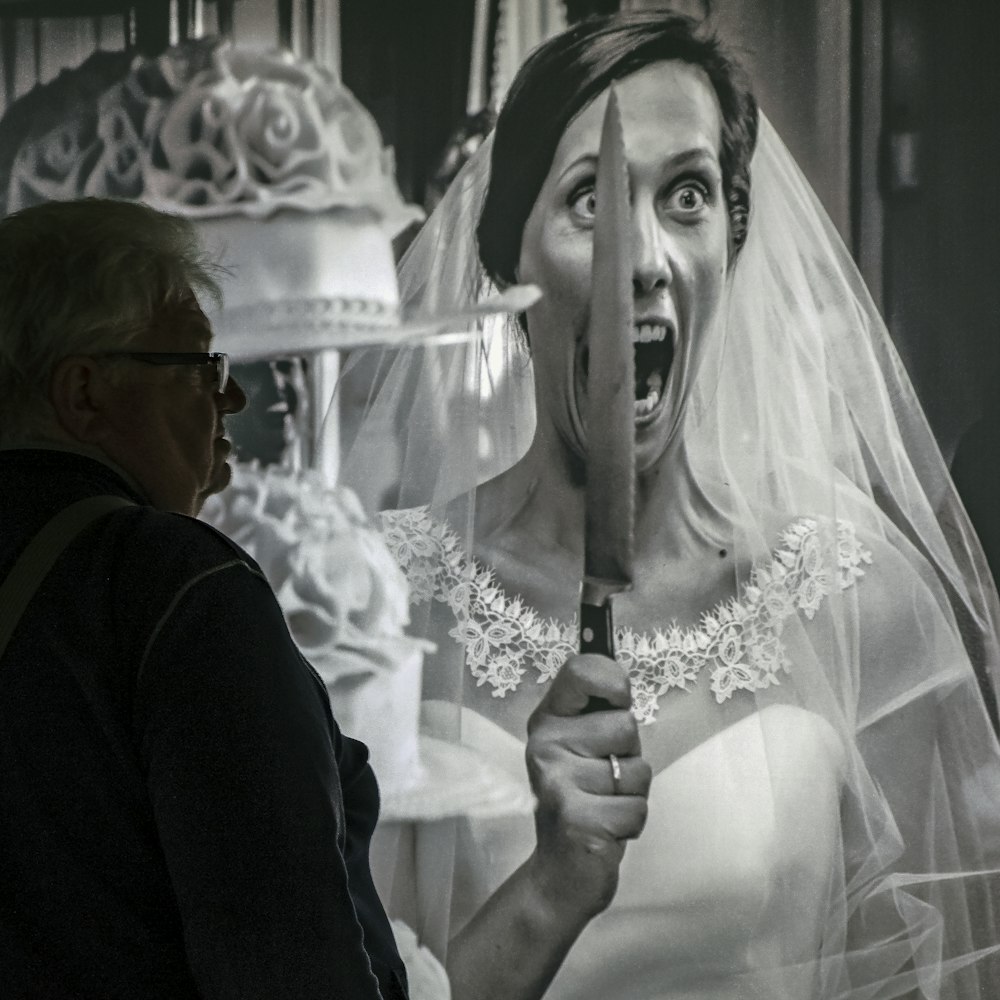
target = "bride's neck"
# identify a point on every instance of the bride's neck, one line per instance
(542, 497)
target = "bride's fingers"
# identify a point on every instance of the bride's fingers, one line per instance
(597, 776)
(582, 678)
(596, 735)
(568, 786)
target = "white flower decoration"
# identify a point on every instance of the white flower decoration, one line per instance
(333, 574)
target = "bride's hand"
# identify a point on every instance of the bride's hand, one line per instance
(584, 816)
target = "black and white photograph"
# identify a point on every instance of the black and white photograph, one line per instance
(499, 500)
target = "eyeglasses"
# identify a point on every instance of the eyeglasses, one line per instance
(216, 358)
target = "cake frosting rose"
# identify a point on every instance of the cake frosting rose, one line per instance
(282, 168)
(211, 129)
(345, 600)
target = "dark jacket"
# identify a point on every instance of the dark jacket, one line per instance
(180, 816)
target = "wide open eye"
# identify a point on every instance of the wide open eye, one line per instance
(583, 201)
(688, 198)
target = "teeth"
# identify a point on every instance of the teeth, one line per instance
(650, 332)
(654, 383)
(644, 406)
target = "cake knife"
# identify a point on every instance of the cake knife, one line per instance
(610, 403)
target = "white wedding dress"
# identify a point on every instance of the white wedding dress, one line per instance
(724, 893)
(825, 824)
(735, 887)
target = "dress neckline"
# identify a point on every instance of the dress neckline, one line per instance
(737, 642)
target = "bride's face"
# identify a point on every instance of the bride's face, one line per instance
(672, 125)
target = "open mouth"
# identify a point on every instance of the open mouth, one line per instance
(654, 354)
(653, 348)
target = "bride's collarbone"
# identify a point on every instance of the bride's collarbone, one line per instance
(677, 590)
(537, 571)
(666, 590)
(669, 589)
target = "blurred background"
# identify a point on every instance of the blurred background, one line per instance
(892, 108)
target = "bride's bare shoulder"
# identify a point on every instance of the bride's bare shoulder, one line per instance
(904, 613)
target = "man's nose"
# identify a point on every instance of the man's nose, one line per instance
(234, 398)
(652, 271)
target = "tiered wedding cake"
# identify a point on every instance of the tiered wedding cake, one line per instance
(282, 167)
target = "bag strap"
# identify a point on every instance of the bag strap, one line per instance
(37, 559)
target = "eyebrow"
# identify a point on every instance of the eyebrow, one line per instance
(696, 154)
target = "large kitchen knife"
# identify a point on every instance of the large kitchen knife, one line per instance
(610, 404)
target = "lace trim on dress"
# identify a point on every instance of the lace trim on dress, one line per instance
(738, 641)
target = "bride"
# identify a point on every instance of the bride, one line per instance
(795, 789)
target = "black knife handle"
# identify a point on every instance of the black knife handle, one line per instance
(597, 635)
(596, 629)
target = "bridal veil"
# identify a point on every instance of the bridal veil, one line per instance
(801, 410)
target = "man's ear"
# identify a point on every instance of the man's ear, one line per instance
(78, 393)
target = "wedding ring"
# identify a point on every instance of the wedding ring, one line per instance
(616, 773)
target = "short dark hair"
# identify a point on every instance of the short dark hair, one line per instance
(83, 276)
(563, 76)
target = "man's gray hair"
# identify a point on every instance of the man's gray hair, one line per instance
(81, 277)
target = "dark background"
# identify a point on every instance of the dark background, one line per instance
(891, 106)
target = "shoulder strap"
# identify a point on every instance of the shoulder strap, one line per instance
(37, 559)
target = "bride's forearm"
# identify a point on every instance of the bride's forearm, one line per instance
(513, 947)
